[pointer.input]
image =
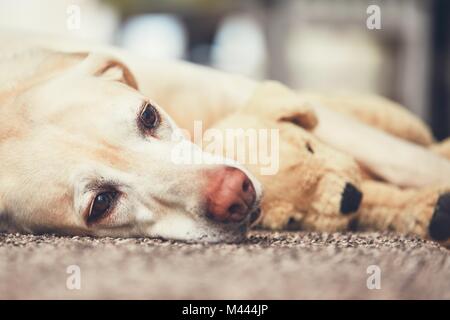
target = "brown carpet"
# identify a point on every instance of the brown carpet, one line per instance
(288, 265)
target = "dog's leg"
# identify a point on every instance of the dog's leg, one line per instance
(393, 159)
(378, 112)
(442, 148)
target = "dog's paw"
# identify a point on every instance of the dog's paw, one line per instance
(439, 228)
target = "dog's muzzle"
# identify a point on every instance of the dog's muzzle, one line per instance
(231, 197)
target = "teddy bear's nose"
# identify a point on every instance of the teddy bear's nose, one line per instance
(230, 195)
(351, 199)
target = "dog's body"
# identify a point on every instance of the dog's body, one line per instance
(83, 152)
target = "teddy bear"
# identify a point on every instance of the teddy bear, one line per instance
(319, 188)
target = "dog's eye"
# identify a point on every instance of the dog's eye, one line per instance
(149, 116)
(101, 206)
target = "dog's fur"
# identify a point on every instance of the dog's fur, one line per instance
(68, 129)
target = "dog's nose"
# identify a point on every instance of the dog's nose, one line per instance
(230, 195)
(351, 199)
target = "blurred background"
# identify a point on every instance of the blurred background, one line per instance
(307, 44)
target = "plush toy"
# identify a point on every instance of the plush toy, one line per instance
(319, 188)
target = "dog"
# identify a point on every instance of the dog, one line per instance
(87, 134)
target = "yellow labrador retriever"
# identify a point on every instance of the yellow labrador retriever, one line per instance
(84, 151)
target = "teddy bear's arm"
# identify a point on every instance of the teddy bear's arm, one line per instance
(424, 211)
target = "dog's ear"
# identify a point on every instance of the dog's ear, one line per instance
(101, 65)
(273, 101)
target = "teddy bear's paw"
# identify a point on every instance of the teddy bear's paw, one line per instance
(439, 228)
(278, 214)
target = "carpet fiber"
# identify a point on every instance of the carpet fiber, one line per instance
(269, 265)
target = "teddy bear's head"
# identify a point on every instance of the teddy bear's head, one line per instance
(309, 184)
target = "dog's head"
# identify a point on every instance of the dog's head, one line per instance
(84, 152)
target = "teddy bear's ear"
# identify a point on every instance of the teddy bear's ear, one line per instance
(107, 67)
(272, 100)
